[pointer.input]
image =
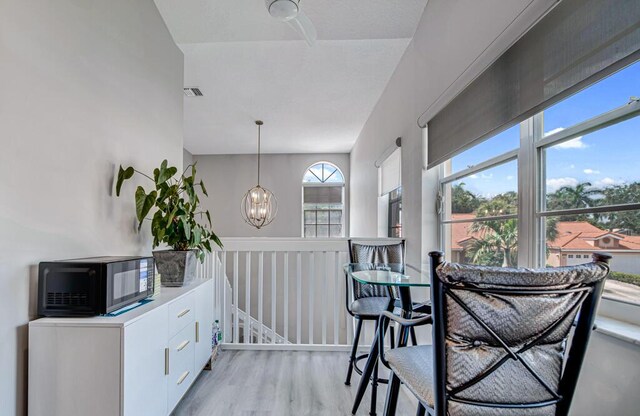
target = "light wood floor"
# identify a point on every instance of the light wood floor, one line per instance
(280, 383)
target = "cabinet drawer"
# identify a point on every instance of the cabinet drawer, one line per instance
(181, 313)
(181, 364)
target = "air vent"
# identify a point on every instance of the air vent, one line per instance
(193, 92)
(66, 298)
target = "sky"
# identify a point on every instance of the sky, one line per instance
(606, 157)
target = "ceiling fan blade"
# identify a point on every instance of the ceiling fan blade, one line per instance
(303, 25)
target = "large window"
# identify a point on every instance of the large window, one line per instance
(480, 210)
(568, 186)
(323, 201)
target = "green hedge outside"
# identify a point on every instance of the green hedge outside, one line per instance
(634, 279)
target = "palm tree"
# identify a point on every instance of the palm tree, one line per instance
(568, 197)
(498, 238)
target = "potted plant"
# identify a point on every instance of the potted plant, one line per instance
(174, 222)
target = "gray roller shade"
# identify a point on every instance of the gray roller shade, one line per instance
(573, 46)
(323, 194)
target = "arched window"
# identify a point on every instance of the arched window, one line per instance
(323, 201)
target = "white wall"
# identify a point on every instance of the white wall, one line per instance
(86, 85)
(187, 158)
(608, 384)
(393, 116)
(229, 177)
(453, 40)
(626, 262)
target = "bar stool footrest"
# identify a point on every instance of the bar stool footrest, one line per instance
(359, 371)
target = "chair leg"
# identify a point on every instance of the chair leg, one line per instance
(392, 395)
(354, 350)
(374, 386)
(414, 340)
(421, 410)
(392, 337)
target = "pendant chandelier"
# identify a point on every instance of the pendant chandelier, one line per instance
(259, 205)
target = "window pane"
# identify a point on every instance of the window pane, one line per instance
(395, 194)
(571, 241)
(490, 192)
(323, 173)
(606, 95)
(309, 217)
(336, 230)
(596, 169)
(336, 217)
(495, 146)
(332, 175)
(395, 219)
(489, 243)
(323, 231)
(309, 230)
(323, 217)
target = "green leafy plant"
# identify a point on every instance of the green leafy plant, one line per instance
(177, 207)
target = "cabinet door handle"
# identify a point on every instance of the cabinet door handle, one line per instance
(182, 345)
(182, 377)
(197, 331)
(166, 361)
(183, 313)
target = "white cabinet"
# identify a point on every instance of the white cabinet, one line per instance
(181, 364)
(145, 381)
(136, 364)
(181, 313)
(204, 325)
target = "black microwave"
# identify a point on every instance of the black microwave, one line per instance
(93, 286)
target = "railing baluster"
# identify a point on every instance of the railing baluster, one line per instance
(336, 297)
(274, 297)
(236, 321)
(223, 281)
(286, 297)
(347, 317)
(247, 300)
(324, 281)
(311, 286)
(260, 296)
(299, 298)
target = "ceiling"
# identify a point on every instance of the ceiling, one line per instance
(250, 66)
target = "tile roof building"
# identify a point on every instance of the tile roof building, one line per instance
(576, 240)
(574, 244)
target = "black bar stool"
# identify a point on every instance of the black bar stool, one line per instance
(369, 301)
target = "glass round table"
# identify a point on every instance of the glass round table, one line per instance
(391, 275)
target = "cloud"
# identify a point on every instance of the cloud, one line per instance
(557, 183)
(589, 171)
(554, 131)
(481, 176)
(510, 177)
(575, 143)
(572, 166)
(607, 182)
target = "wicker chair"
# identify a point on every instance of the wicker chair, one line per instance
(499, 340)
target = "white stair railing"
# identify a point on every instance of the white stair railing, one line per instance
(259, 334)
(283, 293)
